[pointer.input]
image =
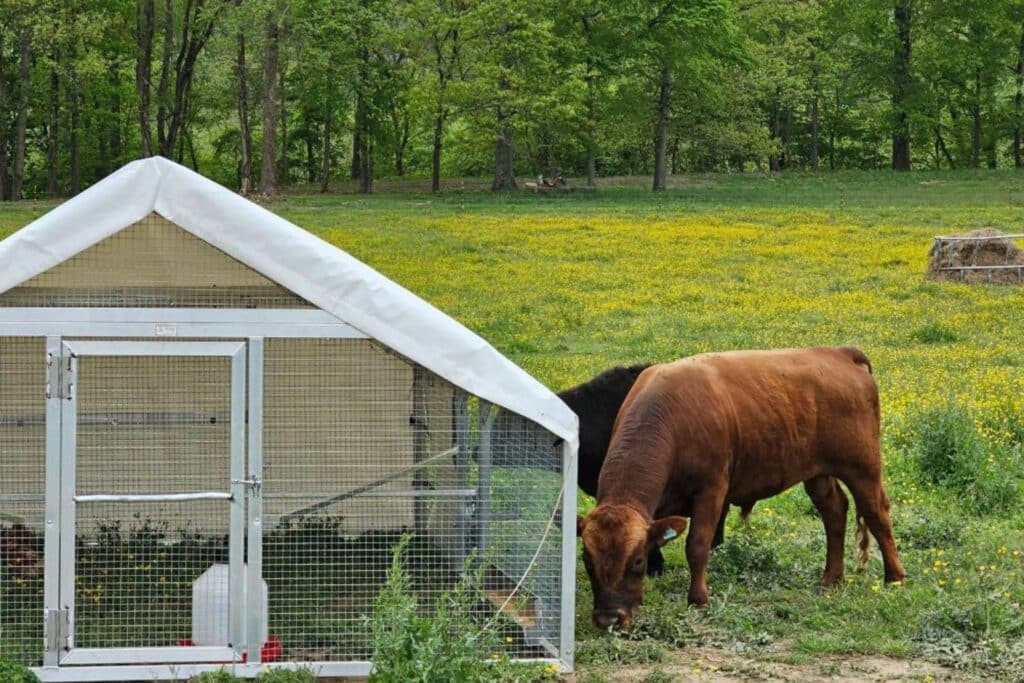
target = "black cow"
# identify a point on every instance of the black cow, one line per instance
(596, 404)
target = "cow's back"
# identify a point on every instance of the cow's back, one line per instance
(766, 420)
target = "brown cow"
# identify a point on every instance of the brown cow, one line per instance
(734, 428)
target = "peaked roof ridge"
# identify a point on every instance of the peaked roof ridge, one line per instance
(294, 258)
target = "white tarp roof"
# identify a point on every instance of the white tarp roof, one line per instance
(301, 262)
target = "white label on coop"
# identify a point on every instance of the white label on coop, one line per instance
(165, 330)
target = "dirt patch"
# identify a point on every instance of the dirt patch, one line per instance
(971, 258)
(724, 666)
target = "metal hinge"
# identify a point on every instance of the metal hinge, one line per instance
(60, 377)
(58, 626)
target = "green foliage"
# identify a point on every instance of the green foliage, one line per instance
(933, 333)
(11, 672)
(222, 676)
(948, 450)
(444, 643)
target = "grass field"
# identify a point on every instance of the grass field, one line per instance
(568, 286)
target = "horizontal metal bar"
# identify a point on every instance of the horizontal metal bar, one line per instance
(400, 493)
(158, 672)
(173, 322)
(196, 330)
(290, 316)
(992, 238)
(100, 674)
(1008, 266)
(151, 497)
(371, 485)
(148, 655)
(122, 419)
(21, 497)
(146, 348)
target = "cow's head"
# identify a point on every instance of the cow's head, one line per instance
(616, 540)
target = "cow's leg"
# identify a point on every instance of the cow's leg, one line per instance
(832, 504)
(706, 512)
(873, 505)
(720, 529)
(655, 562)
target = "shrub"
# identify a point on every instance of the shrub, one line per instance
(11, 672)
(933, 333)
(948, 450)
(221, 676)
(448, 645)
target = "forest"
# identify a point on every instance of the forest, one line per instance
(266, 94)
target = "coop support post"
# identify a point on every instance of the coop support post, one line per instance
(68, 392)
(254, 572)
(460, 424)
(238, 493)
(419, 444)
(483, 495)
(568, 574)
(52, 529)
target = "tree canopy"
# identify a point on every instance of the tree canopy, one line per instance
(261, 94)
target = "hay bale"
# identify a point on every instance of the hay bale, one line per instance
(976, 252)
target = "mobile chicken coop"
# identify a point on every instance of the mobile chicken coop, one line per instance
(215, 428)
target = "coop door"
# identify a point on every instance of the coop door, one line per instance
(152, 502)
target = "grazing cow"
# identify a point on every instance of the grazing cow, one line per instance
(737, 427)
(596, 403)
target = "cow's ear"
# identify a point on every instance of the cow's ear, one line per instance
(579, 526)
(665, 529)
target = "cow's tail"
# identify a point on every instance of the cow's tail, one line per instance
(858, 357)
(862, 541)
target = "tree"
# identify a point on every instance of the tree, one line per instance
(673, 40)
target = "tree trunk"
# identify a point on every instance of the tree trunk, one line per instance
(310, 161)
(51, 151)
(76, 170)
(1018, 105)
(365, 166)
(814, 158)
(435, 159)
(357, 141)
(193, 39)
(591, 132)
(165, 75)
(282, 164)
(18, 176)
(775, 160)
(325, 161)
(3, 139)
(268, 171)
(362, 150)
(901, 87)
(976, 122)
(143, 70)
(245, 179)
(114, 129)
(504, 177)
(661, 129)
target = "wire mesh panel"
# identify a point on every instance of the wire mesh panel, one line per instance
(22, 492)
(361, 447)
(148, 426)
(152, 264)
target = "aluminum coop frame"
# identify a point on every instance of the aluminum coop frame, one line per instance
(188, 381)
(64, 662)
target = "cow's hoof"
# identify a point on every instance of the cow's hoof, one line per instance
(698, 600)
(829, 581)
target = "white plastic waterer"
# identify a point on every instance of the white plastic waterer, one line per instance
(211, 606)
